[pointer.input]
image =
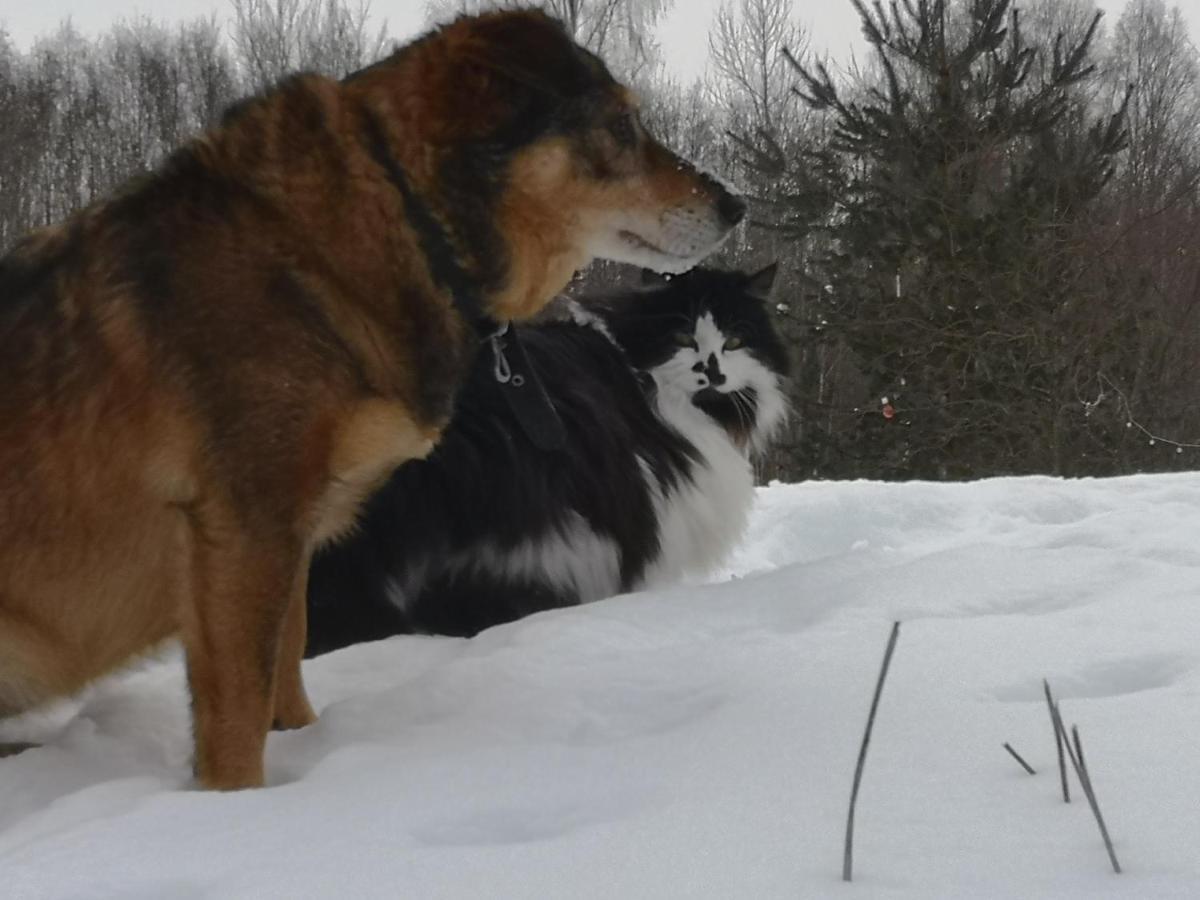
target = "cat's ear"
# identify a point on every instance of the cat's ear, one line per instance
(652, 279)
(760, 283)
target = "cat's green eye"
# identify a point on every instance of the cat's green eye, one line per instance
(734, 343)
(684, 339)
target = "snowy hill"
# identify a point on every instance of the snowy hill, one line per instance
(699, 742)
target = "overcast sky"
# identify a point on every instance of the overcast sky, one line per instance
(833, 23)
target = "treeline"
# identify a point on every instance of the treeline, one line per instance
(989, 228)
(78, 116)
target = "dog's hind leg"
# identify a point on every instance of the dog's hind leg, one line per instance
(292, 709)
(231, 633)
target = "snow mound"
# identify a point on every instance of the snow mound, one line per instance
(699, 742)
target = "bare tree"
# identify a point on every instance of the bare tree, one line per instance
(208, 73)
(619, 31)
(274, 38)
(753, 86)
(11, 152)
(56, 89)
(1151, 51)
(336, 38)
(1149, 235)
(768, 137)
(144, 82)
(752, 80)
(686, 118)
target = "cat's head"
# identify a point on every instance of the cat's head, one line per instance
(707, 341)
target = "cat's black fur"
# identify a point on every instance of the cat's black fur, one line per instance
(489, 528)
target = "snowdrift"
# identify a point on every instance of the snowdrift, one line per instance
(699, 742)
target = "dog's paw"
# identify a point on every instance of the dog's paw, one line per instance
(296, 717)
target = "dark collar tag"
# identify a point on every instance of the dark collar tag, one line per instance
(524, 392)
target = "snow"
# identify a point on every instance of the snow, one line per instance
(699, 742)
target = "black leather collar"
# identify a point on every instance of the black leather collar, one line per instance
(440, 254)
(519, 383)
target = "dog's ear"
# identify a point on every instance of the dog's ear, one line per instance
(760, 283)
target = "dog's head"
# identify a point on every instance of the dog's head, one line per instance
(537, 159)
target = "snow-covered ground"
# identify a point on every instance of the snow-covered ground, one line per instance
(699, 742)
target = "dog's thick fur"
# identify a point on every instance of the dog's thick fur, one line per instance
(203, 377)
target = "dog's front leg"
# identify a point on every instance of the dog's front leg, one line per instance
(242, 585)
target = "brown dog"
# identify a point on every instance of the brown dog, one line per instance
(203, 377)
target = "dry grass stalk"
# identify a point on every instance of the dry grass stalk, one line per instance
(1085, 781)
(848, 854)
(1058, 741)
(1017, 756)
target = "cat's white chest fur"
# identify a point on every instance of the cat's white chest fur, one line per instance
(701, 519)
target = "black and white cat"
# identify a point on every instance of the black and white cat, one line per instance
(663, 392)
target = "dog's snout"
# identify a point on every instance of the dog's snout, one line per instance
(731, 208)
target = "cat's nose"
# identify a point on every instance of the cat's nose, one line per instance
(715, 375)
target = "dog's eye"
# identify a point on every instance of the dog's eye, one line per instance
(684, 339)
(624, 129)
(734, 343)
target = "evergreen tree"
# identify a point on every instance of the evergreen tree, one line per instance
(955, 264)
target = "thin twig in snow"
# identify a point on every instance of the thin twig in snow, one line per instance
(1058, 742)
(1017, 756)
(1075, 754)
(848, 855)
(1085, 780)
(1056, 714)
